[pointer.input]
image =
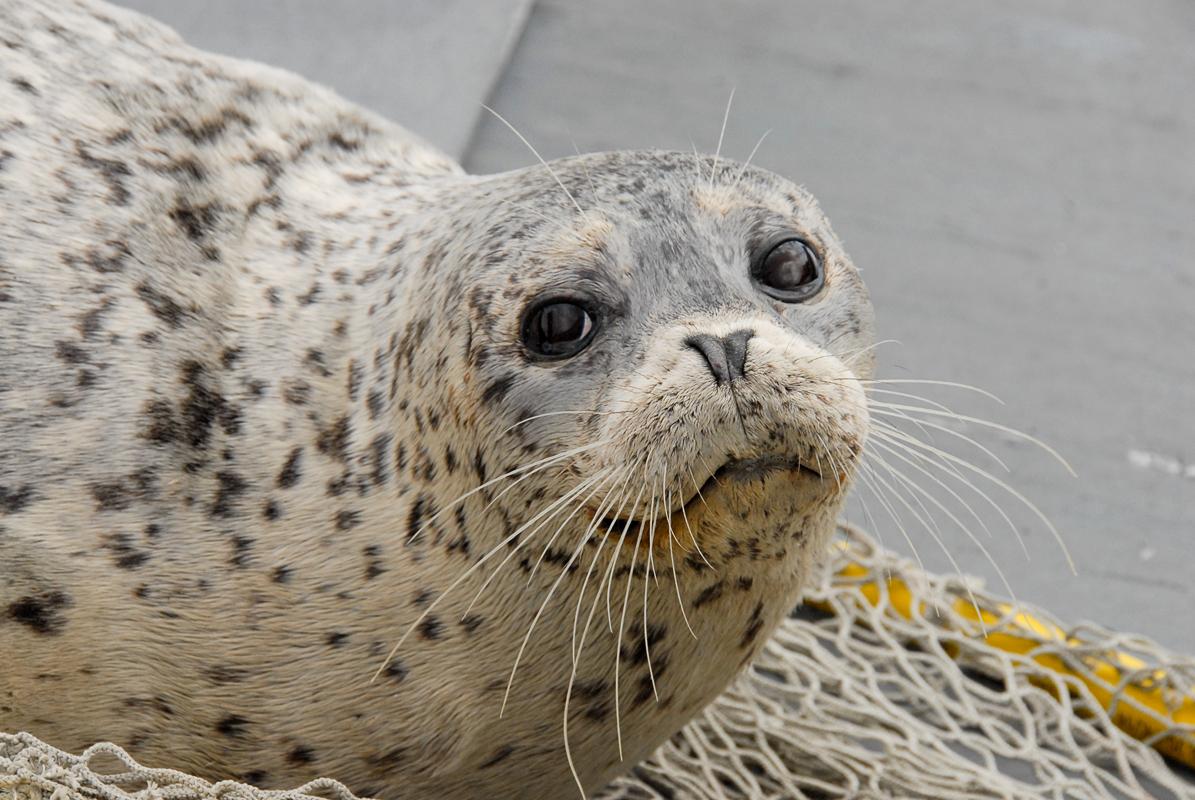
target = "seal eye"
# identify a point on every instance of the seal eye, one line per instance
(790, 271)
(557, 329)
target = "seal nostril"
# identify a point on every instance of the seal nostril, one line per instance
(736, 351)
(726, 357)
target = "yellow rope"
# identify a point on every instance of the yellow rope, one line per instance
(1023, 634)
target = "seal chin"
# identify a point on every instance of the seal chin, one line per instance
(733, 473)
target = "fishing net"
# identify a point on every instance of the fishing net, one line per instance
(887, 682)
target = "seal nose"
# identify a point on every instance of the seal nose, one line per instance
(726, 357)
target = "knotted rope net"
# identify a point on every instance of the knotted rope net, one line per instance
(887, 682)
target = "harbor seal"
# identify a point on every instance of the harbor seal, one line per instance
(282, 387)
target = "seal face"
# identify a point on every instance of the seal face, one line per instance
(282, 388)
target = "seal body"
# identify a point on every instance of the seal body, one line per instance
(267, 409)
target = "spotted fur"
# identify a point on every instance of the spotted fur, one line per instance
(254, 345)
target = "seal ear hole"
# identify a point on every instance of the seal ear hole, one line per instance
(789, 270)
(557, 328)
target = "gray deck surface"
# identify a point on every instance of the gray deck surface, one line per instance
(1016, 180)
(428, 64)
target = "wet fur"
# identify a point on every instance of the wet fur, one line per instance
(255, 341)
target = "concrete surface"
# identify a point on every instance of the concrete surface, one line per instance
(1017, 181)
(428, 65)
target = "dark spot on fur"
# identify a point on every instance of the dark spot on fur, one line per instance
(431, 628)
(281, 574)
(121, 546)
(271, 510)
(347, 520)
(471, 622)
(379, 450)
(25, 86)
(396, 670)
(301, 755)
(232, 725)
(374, 401)
(196, 221)
(163, 306)
(315, 362)
(160, 425)
(113, 173)
(336, 638)
(498, 389)
(338, 141)
(14, 500)
(291, 470)
(501, 755)
(709, 594)
(222, 674)
(241, 547)
(120, 494)
(333, 440)
(40, 612)
(204, 407)
(70, 353)
(231, 487)
(745, 583)
(415, 519)
(296, 392)
(310, 296)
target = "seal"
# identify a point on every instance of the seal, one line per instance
(310, 438)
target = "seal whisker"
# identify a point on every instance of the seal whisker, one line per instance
(985, 423)
(580, 504)
(581, 412)
(721, 135)
(928, 454)
(685, 516)
(562, 501)
(568, 694)
(564, 572)
(1016, 494)
(646, 586)
(696, 160)
(535, 152)
(895, 447)
(459, 579)
(880, 408)
(917, 499)
(871, 390)
(751, 155)
(618, 640)
(617, 552)
(597, 517)
(585, 167)
(829, 457)
(865, 478)
(549, 462)
(914, 486)
(933, 535)
(680, 603)
(954, 384)
(530, 469)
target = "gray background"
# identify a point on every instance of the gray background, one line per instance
(1015, 179)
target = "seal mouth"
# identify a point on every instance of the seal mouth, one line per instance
(738, 470)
